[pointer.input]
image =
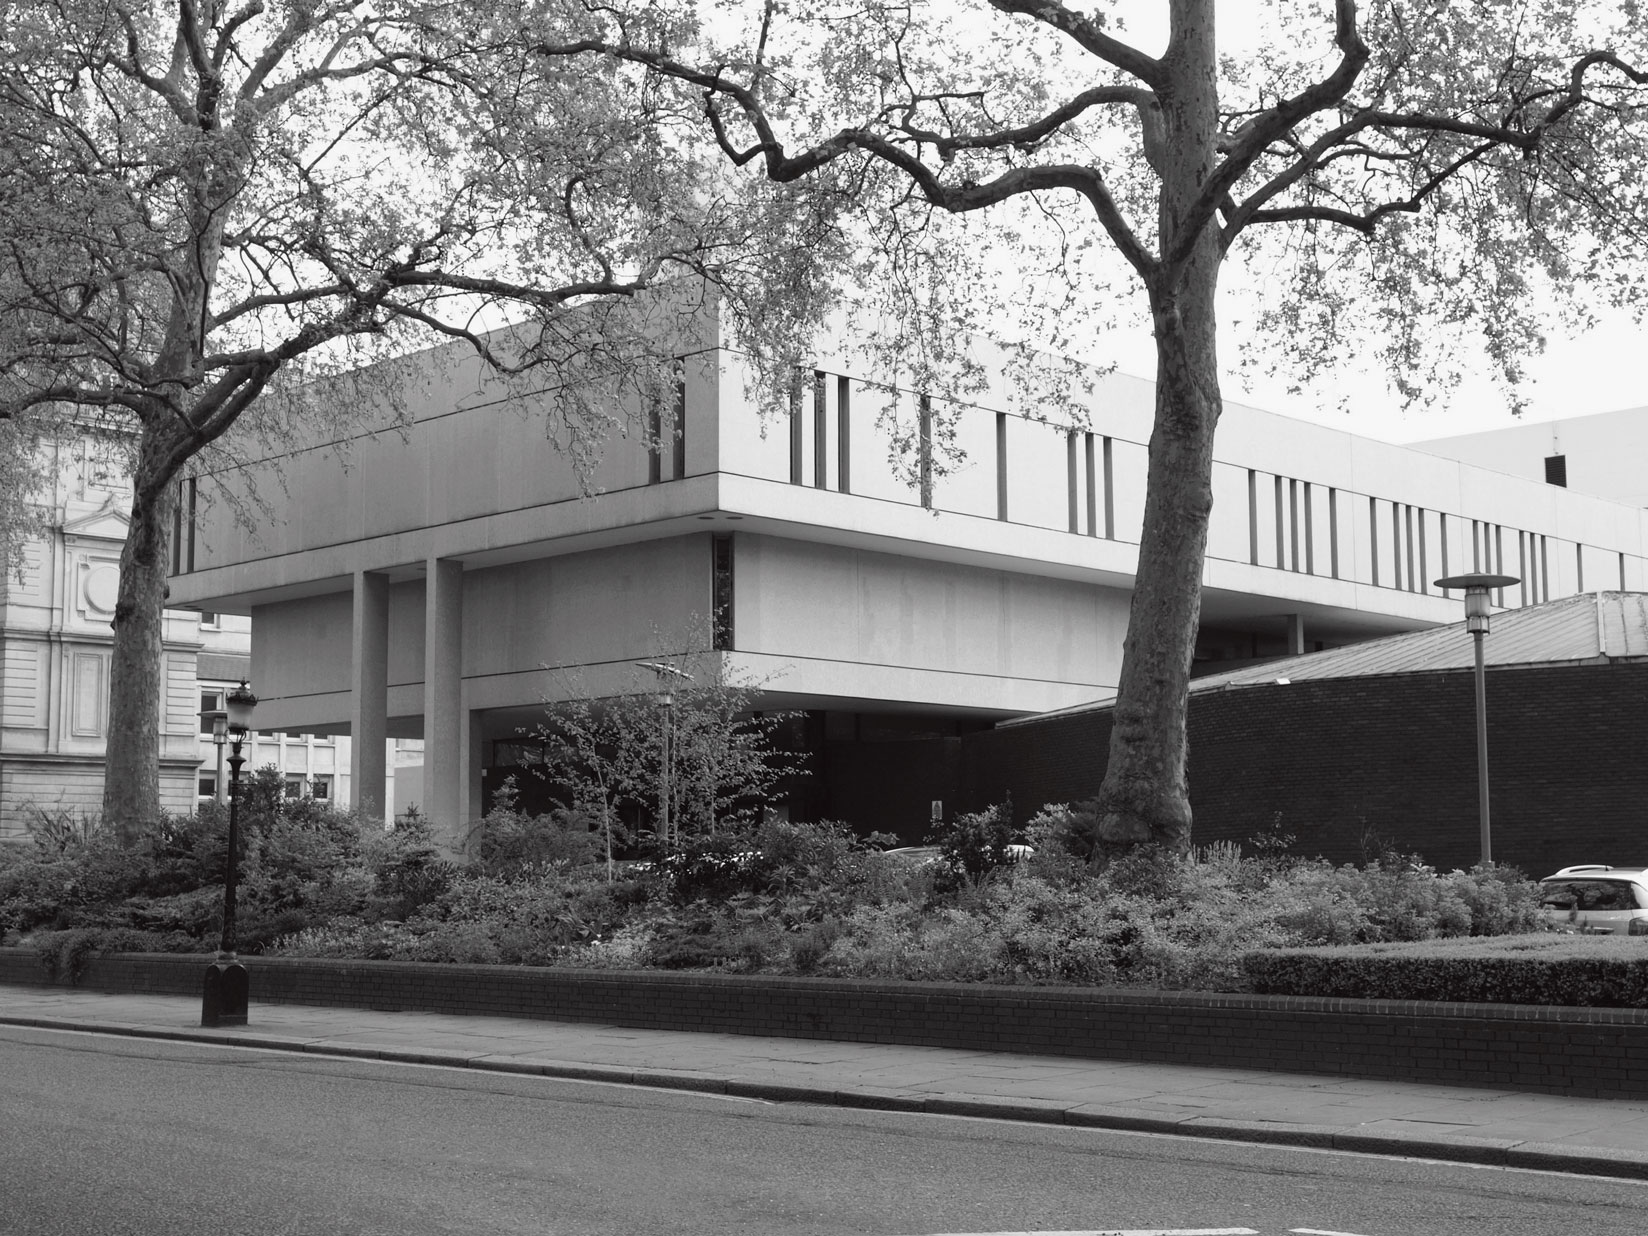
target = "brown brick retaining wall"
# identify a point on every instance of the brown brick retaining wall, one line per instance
(1588, 1052)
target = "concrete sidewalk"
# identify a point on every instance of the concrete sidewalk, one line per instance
(1550, 1132)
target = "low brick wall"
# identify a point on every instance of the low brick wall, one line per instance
(1595, 1052)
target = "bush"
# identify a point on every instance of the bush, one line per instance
(1587, 971)
(506, 841)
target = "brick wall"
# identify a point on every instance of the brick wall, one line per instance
(1391, 757)
(1601, 1052)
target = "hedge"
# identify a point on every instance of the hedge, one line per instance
(1570, 971)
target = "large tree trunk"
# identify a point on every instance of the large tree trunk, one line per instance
(1145, 796)
(131, 785)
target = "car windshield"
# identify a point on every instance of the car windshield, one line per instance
(1590, 895)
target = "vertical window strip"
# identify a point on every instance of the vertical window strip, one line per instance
(1293, 525)
(655, 440)
(1579, 567)
(1092, 487)
(194, 516)
(1442, 541)
(1279, 513)
(1252, 517)
(1396, 546)
(679, 429)
(1544, 567)
(821, 430)
(925, 431)
(1310, 532)
(1621, 563)
(1407, 525)
(1373, 538)
(1499, 559)
(1424, 555)
(795, 428)
(1109, 491)
(1001, 465)
(1333, 531)
(721, 584)
(844, 434)
(1071, 470)
(1476, 548)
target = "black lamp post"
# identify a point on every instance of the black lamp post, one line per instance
(225, 997)
(666, 714)
(1476, 588)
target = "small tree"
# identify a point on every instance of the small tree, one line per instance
(606, 755)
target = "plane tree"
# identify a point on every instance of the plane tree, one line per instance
(206, 205)
(1403, 184)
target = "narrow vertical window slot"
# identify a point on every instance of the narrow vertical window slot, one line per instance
(721, 598)
(1279, 517)
(1310, 531)
(844, 434)
(1072, 479)
(821, 434)
(1109, 490)
(678, 430)
(1252, 517)
(796, 428)
(1333, 531)
(1373, 538)
(925, 432)
(1092, 488)
(1001, 465)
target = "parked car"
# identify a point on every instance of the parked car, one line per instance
(1595, 898)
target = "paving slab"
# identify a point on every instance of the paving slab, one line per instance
(1501, 1127)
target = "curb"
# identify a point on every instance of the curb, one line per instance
(1483, 1152)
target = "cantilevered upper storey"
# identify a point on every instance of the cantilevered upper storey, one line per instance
(863, 548)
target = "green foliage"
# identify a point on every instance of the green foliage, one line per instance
(507, 842)
(973, 847)
(1594, 971)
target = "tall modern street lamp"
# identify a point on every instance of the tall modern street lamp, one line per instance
(225, 997)
(666, 715)
(1476, 588)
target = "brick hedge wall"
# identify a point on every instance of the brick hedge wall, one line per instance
(1597, 1052)
(1391, 757)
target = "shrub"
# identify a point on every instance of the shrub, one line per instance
(973, 846)
(507, 841)
(1594, 971)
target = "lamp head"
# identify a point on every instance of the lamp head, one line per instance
(1477, 586)
(218, 720)
(241, 702)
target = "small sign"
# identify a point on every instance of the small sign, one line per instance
(938, 811)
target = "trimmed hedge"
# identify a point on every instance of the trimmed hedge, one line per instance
(1570, 971)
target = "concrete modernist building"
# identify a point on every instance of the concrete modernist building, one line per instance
(456, 576)
(1602, 454)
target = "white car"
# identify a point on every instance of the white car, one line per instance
(1594, 898)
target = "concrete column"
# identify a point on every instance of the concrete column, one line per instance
(444, 739)
(369, 694)
(1295, 634)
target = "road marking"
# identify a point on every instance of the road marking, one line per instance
(1318, 1231)
(1125, 1231)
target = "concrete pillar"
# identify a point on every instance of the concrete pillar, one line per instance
(444, 738)
(369, 694)
(1295, 634)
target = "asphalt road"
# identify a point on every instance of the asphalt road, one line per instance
(100, 1134)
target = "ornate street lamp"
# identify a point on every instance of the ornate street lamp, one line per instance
(225, 997)
(1476, 588)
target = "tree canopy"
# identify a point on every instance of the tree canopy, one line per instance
(1400, 180)
(204, 204)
